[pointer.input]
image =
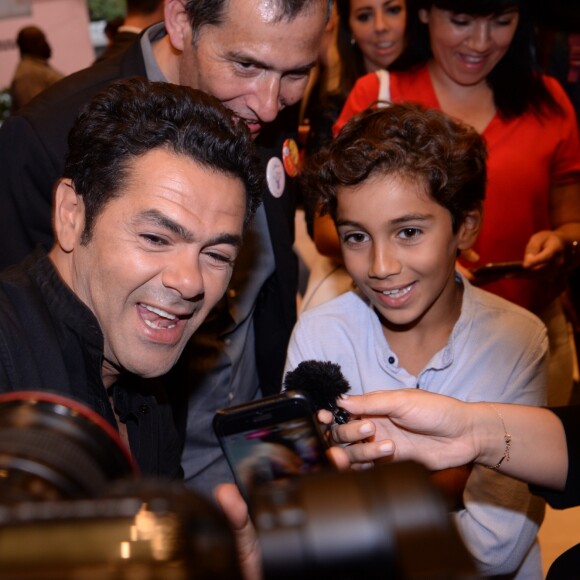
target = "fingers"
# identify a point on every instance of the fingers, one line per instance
(466, 272)
(470, 255)
(544, 247)
(325, 417)
(338, 457)
(236, 510)
(360, 450)
(364, 453)
(353, 431)
(377, 403)
(233, 505)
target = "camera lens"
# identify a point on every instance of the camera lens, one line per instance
(52, 447)
(389, 521)
(146, 529)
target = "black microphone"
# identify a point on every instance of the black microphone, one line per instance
(324, 382)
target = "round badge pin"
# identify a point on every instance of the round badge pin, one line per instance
(275, 177)
(291, 157)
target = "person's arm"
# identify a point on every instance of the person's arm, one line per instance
(552, 250)
(443, 432)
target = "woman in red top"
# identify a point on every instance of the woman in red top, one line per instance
(473, 60)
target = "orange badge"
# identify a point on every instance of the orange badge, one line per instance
(290, 157)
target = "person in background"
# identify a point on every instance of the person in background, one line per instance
(405, 187)
(111, 28)
(33, 73)
(254, 56)
(473, 59)
(159, 184)
(140, 15)
(369, 36)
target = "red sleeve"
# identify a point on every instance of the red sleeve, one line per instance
(363, 94)
(565, 166)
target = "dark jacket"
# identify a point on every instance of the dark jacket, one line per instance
(51, 342)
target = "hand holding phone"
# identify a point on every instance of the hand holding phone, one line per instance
(496, 270)
(271, 440)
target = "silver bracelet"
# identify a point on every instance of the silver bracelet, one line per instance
(507, 438)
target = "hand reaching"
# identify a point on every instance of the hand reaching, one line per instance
(405, 424)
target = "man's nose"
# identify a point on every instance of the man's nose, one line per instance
(183, 274)
(268, 98)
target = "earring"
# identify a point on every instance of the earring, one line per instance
(352, 40)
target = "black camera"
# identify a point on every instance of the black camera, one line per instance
(72, 506)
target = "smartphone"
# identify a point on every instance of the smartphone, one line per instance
(271, 440)
(498, 270)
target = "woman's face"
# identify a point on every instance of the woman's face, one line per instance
(378, 27)
(465, 47)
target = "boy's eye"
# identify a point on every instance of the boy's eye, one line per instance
(409, 233)
(354, 238)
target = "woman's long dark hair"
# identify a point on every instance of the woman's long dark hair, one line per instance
(351, 56)
(515, 81)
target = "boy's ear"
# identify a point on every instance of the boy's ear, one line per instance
(177, 24)
(469, 229)
(69, 215)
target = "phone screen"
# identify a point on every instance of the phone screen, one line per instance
(275, 448)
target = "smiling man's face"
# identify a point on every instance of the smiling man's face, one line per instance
(159, 257)
(253, 62)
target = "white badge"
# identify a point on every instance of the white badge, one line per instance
(275, 176)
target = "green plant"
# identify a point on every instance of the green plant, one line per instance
(106, 9)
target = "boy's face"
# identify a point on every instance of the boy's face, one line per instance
(400, 249)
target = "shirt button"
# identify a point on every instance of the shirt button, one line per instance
(391, 360)
(230, 396)
(143, 409)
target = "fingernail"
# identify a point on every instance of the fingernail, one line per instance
(366, 429)
(387, 448)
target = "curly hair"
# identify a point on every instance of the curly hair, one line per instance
(443, 156)
(133, 116)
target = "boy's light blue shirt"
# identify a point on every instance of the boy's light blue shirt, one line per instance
(497, 351)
